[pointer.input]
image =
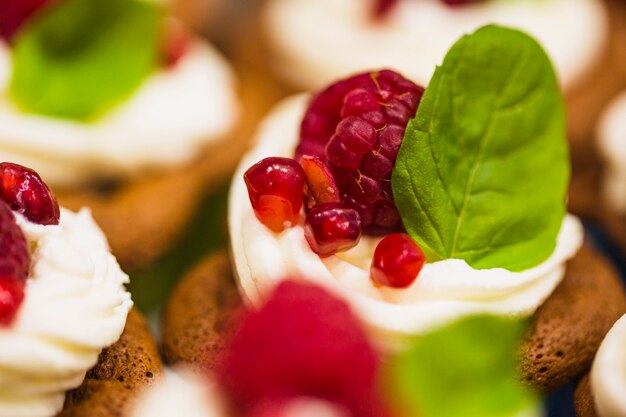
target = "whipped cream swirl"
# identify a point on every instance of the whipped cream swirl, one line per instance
(608, 374)
(166, 122)
(180, 393)
(612, 144)
(315, 42)
(444, 291)
(75, 305)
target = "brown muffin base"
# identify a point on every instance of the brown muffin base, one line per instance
(565, 333)
(197, 316)
(586, 104)
(123, 370)
(568, 328)
(583, 399)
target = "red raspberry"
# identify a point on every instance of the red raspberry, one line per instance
(14, 264)
(26, 193)
(382, 7)
(13, 13)
(356, 127)
(303, 342)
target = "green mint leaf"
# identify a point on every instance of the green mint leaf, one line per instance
(80, 58)
(483, 169)
(466, 369)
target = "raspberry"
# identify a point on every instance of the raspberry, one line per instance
(13, 13)
(26, 193)
(356, 127)
(303, 342)
(14, 264)
(382, 7)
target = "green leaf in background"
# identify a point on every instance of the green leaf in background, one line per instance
(483, 169)
(466, 369)
(78, 59)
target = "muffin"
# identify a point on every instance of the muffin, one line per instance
(114, 129)
(602, 393)
(605, 196)
(68, 333)
(266, 369)
(349, 140)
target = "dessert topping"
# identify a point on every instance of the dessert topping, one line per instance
(80, 58)
(14, 264)
(331, 228)
(303, 342)
(482, 171)
(397, 261)
(356, 126)
(321, 185)
(275, 187)
(26, 193)
(382, 7)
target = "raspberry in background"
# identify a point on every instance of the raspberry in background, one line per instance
(303, 342)
(356, 126)
(13, 13)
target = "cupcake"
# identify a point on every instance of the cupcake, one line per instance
(607, 193)
(69, 341)
(311, 43)
(603, 392)
(461, 212)
(120, 110)
(316, 42)
(319, 362)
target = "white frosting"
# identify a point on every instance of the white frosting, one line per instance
(443, 292)
(612, 144)
(608, 373)
(319, 41)
(181, 393)
(75, 304)
(166, 122)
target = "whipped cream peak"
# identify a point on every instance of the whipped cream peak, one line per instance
(315, 42)
(75, 305)
(181, 109)
(608, 373)
(180, 393)
(612, 145)
(443, 292)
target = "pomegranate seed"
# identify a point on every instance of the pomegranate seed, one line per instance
(26, 193)
(397, 261)
(331, 228)
(14, 264)
(320, 181)
(13, 14)
(177, 42)
(11, 297)
(275, 187)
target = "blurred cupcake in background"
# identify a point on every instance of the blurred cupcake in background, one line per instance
(121, 109)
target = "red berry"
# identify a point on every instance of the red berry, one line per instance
(14, 265)
(397, 261)
(275, 187)
(331, 228)
(320, 181)
(13, 13)
(26, 193)
(303, 342)
(177, 42)
(382, 7)
(11, 297)
(356, 127)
